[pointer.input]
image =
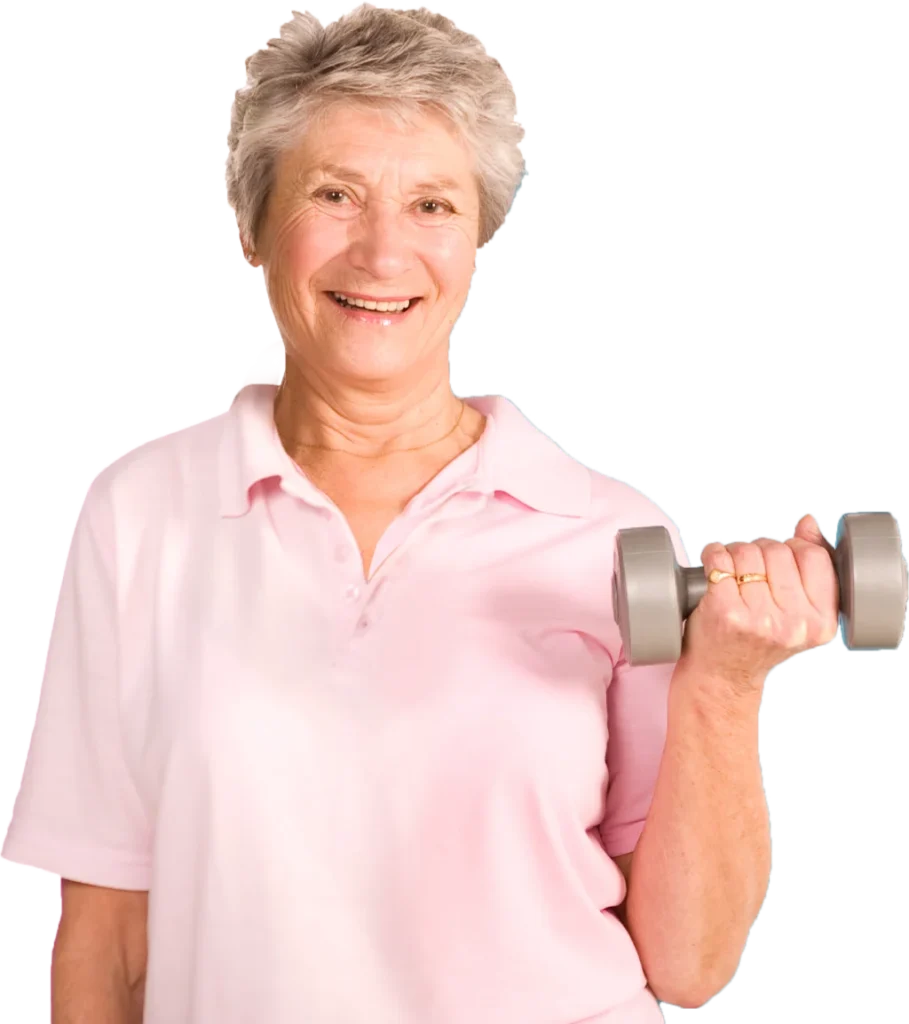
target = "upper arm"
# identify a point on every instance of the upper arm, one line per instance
(97, 921)
(79, 813)
(637, 711)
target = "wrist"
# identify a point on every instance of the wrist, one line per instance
(739, 692)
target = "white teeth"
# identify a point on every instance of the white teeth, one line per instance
(382, 307)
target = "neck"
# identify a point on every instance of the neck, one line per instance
(319, 423)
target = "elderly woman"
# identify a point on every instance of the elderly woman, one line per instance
(336, 724)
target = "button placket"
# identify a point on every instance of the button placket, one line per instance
(442, 511)
(371, 612)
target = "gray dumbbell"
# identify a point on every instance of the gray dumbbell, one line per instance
(653, 595)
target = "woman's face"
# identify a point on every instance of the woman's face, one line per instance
(381, 227)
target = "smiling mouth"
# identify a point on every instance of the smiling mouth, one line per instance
(375, 306)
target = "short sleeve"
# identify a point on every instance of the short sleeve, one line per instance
(637, 716)
(78, 813)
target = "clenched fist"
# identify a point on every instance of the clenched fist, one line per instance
(738, 632)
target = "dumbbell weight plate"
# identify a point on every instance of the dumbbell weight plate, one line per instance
(873, 580)
(648, 595)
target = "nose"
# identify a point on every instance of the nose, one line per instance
(382, 243)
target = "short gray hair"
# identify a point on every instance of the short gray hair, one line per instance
(405, 63)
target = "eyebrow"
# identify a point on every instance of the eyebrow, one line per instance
(439, 181)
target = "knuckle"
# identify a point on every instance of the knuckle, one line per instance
(713, 548)
(830, 631)
(817, 556)
(733, 617)
(813, 550)
(802, 549)
(797, 634)
(821, 629)
(765, 627)
(775, 550)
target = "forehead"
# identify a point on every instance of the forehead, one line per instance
(362, 146)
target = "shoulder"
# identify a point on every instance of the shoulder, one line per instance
(616, 505)
(159, 475)
(540, 470)
(624, 506)
(547, 477)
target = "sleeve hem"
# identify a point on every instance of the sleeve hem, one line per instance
(81, 864)
(623, 839)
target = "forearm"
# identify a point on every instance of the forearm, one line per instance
(702, 864)
(92, 990)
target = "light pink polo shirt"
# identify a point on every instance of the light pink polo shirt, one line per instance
(391, 800)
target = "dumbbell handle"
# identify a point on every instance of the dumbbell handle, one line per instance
(695, 588)
(695, 584)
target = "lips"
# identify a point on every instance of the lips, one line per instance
(360, 314)
(370, 298)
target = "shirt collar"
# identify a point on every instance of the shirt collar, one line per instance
(511, 456)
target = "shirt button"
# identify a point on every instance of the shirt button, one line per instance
(362, 624)
(352, 592)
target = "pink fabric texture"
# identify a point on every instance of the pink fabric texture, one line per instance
(393, 799)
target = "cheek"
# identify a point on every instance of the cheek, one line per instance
(304, 242)
(308, 249)
(452, 254)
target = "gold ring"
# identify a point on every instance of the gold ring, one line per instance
(718, 576)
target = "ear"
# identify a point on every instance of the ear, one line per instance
(248, 251)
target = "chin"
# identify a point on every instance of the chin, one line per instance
(376, 365)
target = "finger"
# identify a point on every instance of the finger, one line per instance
(715, 556)
(749, 558)
(819, 579)
(783, 574)
(807, 528)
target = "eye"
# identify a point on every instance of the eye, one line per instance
(439, 207)
(330, 191)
